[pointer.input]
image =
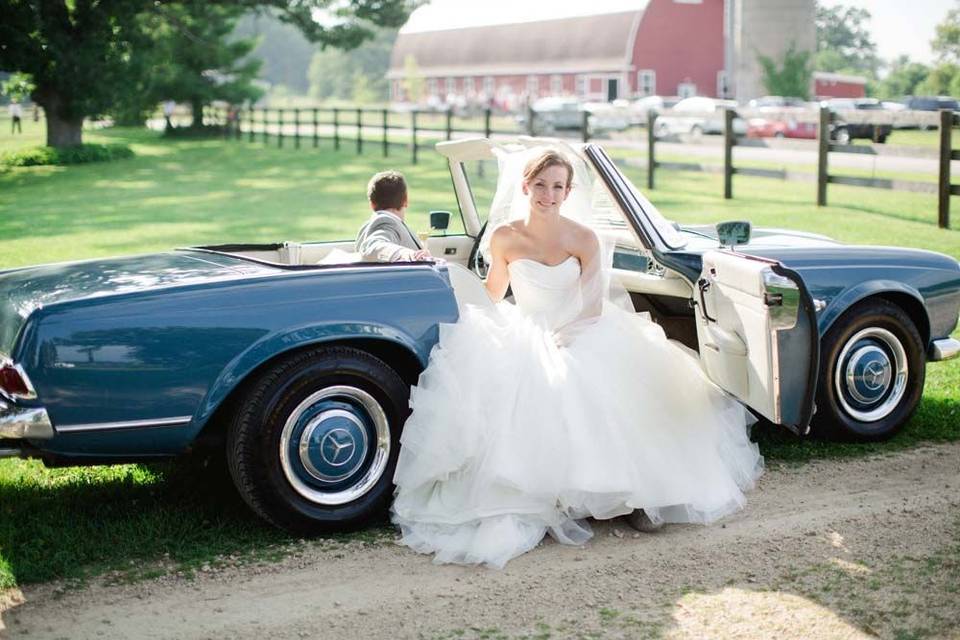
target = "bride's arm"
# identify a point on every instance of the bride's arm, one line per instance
(592, 282)
(498, 277)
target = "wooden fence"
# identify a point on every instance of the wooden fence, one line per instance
(378, 127)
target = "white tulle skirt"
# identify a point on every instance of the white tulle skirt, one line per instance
(512, 436)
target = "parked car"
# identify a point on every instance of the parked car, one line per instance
(781, 128)
(696, 116)
(843, 131)
(295, 362)
(777, 103)
(931, 103)
(554, 114)
(608, 116)
(641, 107)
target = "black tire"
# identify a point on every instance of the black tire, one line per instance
(882, 138)
(842, 135)
(864, 408)
(353, 387)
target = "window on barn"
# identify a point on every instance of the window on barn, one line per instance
(556, 85)
(451, 85)
(468, 87)
(431, 86)
(488, 86)
(646, 82)
(533, 85)
(581, 86)
(686, 89)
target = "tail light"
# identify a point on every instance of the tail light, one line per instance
(14, 382)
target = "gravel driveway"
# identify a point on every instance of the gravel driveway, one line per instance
(831, 549)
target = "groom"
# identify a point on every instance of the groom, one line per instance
(385, 237)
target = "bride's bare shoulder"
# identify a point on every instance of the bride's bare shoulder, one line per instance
(581, 235)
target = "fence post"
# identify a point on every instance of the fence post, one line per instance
(728, 142)
(823, 138)
(265, 118)
(279, 128)
(296, 128)
(253, 122)
(359, 131)
(237, 123)
(225, 127)
(413, 135)
(449, 125)
(486, 123)
(386, 142)
(336, 129)
(585, 126)
(316, 129)
(946, 153)
(651, 142)
(530, 117)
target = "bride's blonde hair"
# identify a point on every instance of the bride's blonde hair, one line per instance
(545, 160)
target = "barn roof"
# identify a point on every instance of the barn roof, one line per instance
(584, 43)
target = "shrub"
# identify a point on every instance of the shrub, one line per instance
(36, 156)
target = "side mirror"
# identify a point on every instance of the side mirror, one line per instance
(733, 233)
(439, 220)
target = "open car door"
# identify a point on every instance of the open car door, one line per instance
(757, 330)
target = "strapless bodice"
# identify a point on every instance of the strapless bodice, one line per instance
(549, 294)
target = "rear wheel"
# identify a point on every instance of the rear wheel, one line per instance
(842, 135)
(871, 373)
(313, 445)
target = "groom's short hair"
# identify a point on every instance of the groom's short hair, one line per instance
(387, 190)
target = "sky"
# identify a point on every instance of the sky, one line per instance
(898, 26)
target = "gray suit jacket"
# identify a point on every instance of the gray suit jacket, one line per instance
(386, 238)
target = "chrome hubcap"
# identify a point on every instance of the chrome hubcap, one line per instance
(335, 445)
(871, 374)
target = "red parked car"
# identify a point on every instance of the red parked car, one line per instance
(780, 128)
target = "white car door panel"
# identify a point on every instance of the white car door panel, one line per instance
(749, 311)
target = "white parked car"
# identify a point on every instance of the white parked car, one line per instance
(696, 116)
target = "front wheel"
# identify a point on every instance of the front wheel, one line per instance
(313, 445)
(871, 373)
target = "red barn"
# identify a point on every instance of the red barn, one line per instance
(670, 47)
(838, 85)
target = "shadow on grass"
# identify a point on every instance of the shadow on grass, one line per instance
(936, 420)
(79, 522)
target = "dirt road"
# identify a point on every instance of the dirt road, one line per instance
(835, 549)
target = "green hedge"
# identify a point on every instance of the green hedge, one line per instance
(36, 156)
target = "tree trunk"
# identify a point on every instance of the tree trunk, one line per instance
(196, 107)
(62, 130)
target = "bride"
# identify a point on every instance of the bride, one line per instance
(532, 417)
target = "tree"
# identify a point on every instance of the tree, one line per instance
(944, 77)
(412, 79)
(334, 73)
(791, 77)
(82, 53)
(844, 43)
(198, 64)
(903, 78)
(18, 87)
(946, 43)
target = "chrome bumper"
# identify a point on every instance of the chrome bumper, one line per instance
(22, 423)
(944, 349)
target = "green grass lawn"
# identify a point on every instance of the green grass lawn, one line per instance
(141, 520)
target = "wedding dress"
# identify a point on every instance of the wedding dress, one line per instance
(519, 428)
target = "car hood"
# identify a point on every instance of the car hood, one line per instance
(23, 291)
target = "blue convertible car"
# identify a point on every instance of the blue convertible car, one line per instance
(295, 361)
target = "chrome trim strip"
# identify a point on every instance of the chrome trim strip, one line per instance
(24, 422)
(10, 453)
(944, 349)
(129, 424)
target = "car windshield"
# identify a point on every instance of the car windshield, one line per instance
(667, 230)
